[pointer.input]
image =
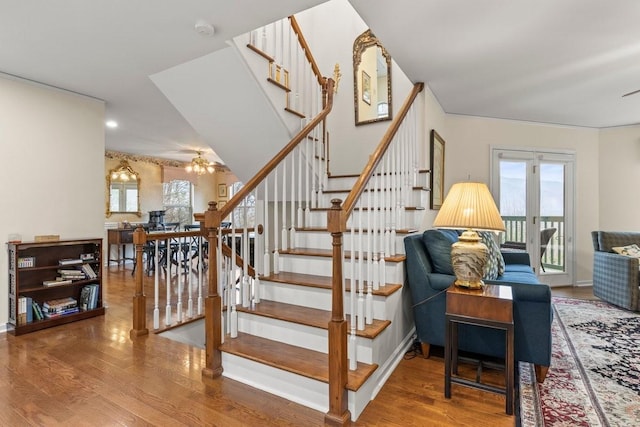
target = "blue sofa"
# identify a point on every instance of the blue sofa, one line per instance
(532, 304)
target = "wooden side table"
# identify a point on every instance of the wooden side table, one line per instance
(490, 307)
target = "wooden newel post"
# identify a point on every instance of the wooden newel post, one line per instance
(213, 302)
(139, 298)
(338, 365)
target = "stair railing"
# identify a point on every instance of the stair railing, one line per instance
(180, 257)
(374, 210)
(292, 67)
(278, 192)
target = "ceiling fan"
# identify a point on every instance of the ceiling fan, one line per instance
(631, 93)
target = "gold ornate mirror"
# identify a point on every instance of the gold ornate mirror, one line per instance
(371, 80)
(123, 188)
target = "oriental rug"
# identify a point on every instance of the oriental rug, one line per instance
(594, 378)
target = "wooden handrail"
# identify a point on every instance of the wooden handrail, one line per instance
(271, 165)
(307, 51)
(376, 157)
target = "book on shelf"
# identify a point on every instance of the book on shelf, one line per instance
(89, 297)
(52, 315)
(70, 261)
(37, 311)
(89, 271)
(87, 257)
(57, 282)
(59, 304)
(25, 313)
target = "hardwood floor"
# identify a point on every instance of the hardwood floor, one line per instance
(90, 373)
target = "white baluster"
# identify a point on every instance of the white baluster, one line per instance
(167, 314)
(361, 319)
(301, 222)
(374, 231)
(292, 203)
(276, 254)
(156, 288)
(353, 348)
(369, 300)
(266, 263)
(201, 261)
(284, 244)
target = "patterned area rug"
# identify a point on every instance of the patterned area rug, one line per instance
(594, 379)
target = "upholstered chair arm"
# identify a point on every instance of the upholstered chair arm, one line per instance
(615, 279)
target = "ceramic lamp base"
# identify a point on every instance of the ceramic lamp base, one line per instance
(468, 258)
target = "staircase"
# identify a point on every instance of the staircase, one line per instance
(284, 330)
(282, 341)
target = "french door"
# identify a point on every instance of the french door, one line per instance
(534, 191)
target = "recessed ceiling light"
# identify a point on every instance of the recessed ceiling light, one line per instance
(111, 124)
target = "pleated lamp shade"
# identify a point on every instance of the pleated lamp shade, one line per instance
(469, 205)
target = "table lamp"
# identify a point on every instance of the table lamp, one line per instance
(470, 206)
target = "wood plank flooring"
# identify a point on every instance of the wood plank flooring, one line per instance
(90, 373)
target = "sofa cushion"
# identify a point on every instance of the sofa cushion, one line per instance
(495, 262)
(438, 244)
(632, 251)
(521, 274)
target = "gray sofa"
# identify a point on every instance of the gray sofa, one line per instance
(615, 276)
(532, 304)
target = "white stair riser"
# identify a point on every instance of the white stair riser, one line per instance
(320, 266)
(415, 198)
(308, 337)
(323, 240)
(320, 299)
(412, 219)
(296, 388)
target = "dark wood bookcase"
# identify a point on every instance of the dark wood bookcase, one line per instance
(33, 263)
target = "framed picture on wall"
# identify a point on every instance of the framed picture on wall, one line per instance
(437, 170)
(222, 190)
(366, 87)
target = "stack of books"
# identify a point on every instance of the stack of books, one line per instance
(59, 307)
(71, 274)
(89, 271)
(89, 297)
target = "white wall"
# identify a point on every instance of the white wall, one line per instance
(467, 154)
(52, 147)
(330, 30)
(619, 173)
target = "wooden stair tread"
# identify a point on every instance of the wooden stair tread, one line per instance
(308, 363)
(328, 253)
(364, 230)
(356, 175)
(308, 316)
(323, 282)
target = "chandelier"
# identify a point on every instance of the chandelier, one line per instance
(200, 165)
(124, 172)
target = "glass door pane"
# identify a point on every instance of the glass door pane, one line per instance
(513, 202)
(552, 218)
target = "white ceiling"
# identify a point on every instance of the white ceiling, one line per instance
(567, 62)
(555, 61)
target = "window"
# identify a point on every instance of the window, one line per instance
(177, 201)
(248, 205)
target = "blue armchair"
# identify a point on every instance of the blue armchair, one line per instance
(615, 277)
(532, 308)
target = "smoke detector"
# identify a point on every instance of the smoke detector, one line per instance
(204, 28)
